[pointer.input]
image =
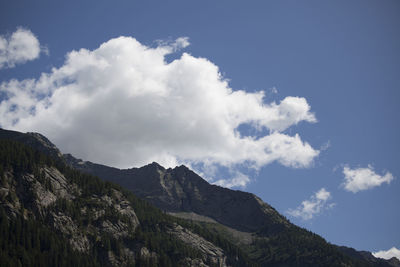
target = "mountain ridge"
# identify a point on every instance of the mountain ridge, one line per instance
(181, 190)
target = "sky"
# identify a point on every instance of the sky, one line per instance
(294, 101)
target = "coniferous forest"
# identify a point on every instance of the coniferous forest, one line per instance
(29, 235)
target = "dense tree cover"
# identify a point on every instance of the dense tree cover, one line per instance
(298, 247)
(52, 249)
(26, 242)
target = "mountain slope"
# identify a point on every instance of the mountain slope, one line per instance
(183, 193)
(213, 238)
(182, 190)
(52, 215)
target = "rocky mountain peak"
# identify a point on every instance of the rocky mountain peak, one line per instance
(180, 189)
(153, 165)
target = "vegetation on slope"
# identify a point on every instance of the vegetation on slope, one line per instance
(32, 241)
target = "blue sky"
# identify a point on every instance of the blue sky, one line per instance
(337, 61)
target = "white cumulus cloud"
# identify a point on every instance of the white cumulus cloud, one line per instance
(315, 205)
(124, 105)
(388, 254)
(363, 178)
(20, 47)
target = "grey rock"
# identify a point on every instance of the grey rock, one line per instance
(40, 195)
(210, 251)
(44, 197)
(146, 254)
(66, 225)
(194, 263)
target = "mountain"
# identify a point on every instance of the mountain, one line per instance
(53, 215)
(182, 190)
(92, 222)
(184, 194)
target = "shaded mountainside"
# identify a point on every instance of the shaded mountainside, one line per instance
(89, 222)
(182, 190)
(34, 140)
(367, 256)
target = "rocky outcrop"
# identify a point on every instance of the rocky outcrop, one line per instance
(147, 255)
(210, 252)
(40, 197)
(78, 240)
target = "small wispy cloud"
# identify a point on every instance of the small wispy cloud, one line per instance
(325, 146)
(387, 254)
(181, 43)
(273, 90)
(173, 45)
(360, 179)
(20, 47)
(315, 205)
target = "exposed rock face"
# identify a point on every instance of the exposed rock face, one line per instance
(39, 197)
(147, 255)
(211, 253)
(194, 263)
(182, 190)
(66, 225)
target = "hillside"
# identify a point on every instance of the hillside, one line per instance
(182, 190)
(54, 214)
(274, 240)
